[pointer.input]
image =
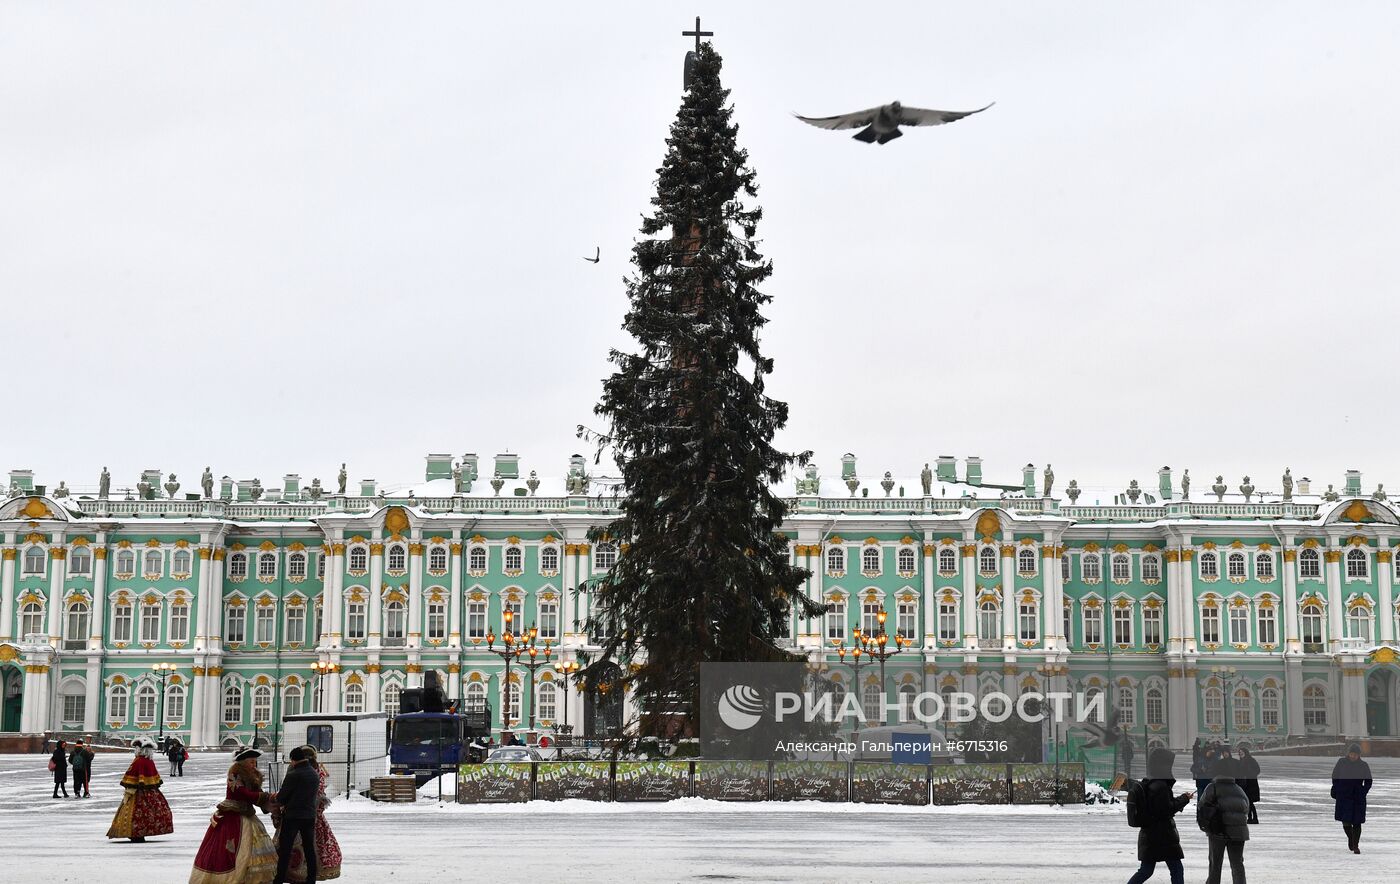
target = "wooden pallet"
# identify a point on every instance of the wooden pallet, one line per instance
(398, 790)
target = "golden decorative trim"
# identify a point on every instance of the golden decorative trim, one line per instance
(415, 549)
(1384, 556)
(35, 508)
(376, 549)
(8, 554)
(1290, 555)
(220, 554)
(372, 668)
(57, 552)
(413, 668)
(1356, 511)
(1332, 556)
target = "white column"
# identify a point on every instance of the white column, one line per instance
(816, 559)
(1384, 571)
(57, 568)
(199, 687)
(969, 582)
(203, 597)
(7, 587)
(1055, 640)
(1176, 630)
(1293, 692)
(1333, 558)
(34, 718)
(215, 624)
(373, 700)
(1008, 593)
(930, 563)
(415, 590)
(376, 592)
(1292, 639)
(93, 699)
(1186, 582)
(334, 590)
(454, 632)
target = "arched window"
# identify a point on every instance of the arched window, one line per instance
(72, 695)
(904, 560)
(354, 699)
(237, 566)
(870, 560)
(34, 560)
(126, 563)
(1025, 562)
(392, 693)
(947, 561)
(987, 560)
(1089, 567)
(476, 559)
(1314, 706)
(118, 701)
(77, 626)
(1234, 566)
(1242, 706)
(1122, 568)
(437, 558)
(296, 565)
(1214, 707)
(31, 620)
(1210, 565)
(146, 704)
(1151, 568)
(988, 621)
(267, 565)
(547, 704)
(1264, 566)
(437, 621)
(1359, 622)
(604, 556)
(836, 619)
(549, 559)
(80, 562)
(1311, 622)
(291, 700)
(836, 559)
(154, 561)
(359, 559)
(1357, 564)
(233, 704)
(475, 698)
(907, 695)
(871, 702)
(1270, 708)
(175, 704)
(1309, 564)
(180, 562)
(1127, 706)
(394, 624)
(1064, 569)
(397, 559)
(515, 559)
(1154, 705)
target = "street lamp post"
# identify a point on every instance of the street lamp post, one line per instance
(532, 660)
(322, 668)
(873, 649)
(162, 671)
(516, 646)
(1048, 671)
(565, 670)
(1227, 675)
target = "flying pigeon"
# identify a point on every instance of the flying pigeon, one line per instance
(881, 124)
(1104, 737)
(597, 255)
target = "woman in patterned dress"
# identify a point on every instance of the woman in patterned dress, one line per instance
(236, 849)
(143, 810)
(327, 848)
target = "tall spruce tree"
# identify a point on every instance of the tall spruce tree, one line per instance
(704, 576)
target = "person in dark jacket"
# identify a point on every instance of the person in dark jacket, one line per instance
(175, 751)
(1247, 775)
(59, 761)
(1223, 814)
(81, 761)
(1158, 840)
(298, 799)
(1204, 769)
(1351, 780)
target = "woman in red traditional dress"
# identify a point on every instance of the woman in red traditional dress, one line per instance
(143, 810)
(327, 848)
(236, 849)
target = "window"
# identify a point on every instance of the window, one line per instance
(355, 621)
(80, 562)
(180, 562)
(907, 695)
(121, 624)
(1025, 562)
(1234, 566)
(871, 704)
(1312, 624)
(512, 703)
(1270, 709)
(291, 701)
(1154, 706)
(321, 737)
(476, 559)
(549, 620)
(78, 626)
(870, 560)
(117, 703)
(907, 620)
(437, 621)
(836, 619)
(233, 704)
(947, 620)
(1359, 622)
(153, 566)
(1239, 625)
(126, 563)
(516, 621)
(1397, 566)
(1122, 624)
(437, 558)
(1122, 568)
(262, 704)
(870, 617)
(31, 620)
(604, 556)
(1314, 706)
(267, 566)
(947, 560)
(1210, 566)
(1264, 566)
(1089, 567)
(34, 560)
(836, 559)
(904, 560)
(264, 623)
(1243, 708)
(296, 623)
(1309, 563)
(235, 621)
(397, 559)
(317, 622)
(394, 624)
(987, 560)
(1210, 625)
(1357, 565)
(476, 620)
(175, 704)
(146, 704)
(1215, 707)
(988, 621)
(1268, 625)
(237, 566)
(549, 559)
(1127, 706)
(475, 699)
(1093, 625)
(1069, 622)
(1151, 568)
(1029, 628)
(515, 559)
(150, 623)
(392, 698)
(1152, 625)
(547, 702)
(296, 565)
(354, 698)
(74, 708)
(321, 567)
(1064, 569)
(359, 559)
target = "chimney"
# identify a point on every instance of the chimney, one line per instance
(974, 471)
(469, 468)
(226, 488)
(439, 467)
(1028, 479)
(245, 490)
(1353, 482)
(367, 488)
(848, 466)
(152, 477)
(22, 479)
(1304, 484)
(508, 466)
(1164, 482)
(947, 468)
(291, 486)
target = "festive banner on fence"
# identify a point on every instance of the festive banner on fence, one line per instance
(498, 782)
(876, 782)
(732, 780)
(969, 784)
(589, 780)
(651, 780)
(809, 781)
(1038, 783)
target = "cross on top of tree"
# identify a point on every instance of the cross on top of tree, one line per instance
(697, 33)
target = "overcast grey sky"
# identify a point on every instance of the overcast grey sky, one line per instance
(271, 237)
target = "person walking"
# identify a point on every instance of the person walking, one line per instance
(1247, 775)
(175, 751)
(1204, 769)
(236, 849)
(58, 763)
(1154, 810)
(81, 761)
(1351, 780)
(328, 856)
(1223, 814)
(144, 810)
(297, 801)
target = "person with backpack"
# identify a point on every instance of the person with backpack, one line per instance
(175, 751)
(1151, 808)
(81, 761)
(1223, 814)
(1351, 780)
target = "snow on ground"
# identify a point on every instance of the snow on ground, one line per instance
(694, 840)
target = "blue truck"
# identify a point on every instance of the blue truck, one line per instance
(428, 739)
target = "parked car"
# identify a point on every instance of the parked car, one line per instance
(513, 753)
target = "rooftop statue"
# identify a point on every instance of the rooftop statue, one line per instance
(1049, 480)
(206, 482)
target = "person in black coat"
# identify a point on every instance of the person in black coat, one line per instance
(59, 761)
(1247, 775)
(175, 751)
(298, 800)
(1351, 780)
(1204, 769)
(1158, 840)
(1223, 814)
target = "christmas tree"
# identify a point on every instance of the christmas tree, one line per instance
(704, 576)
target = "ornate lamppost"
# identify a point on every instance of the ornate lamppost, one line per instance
(867, 649)
(532, 660)
(162, 671)
(515, 647)
(565, 669)
(1227, 676)
(321, 669)
(1047, 672)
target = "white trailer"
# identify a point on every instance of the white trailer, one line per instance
(351, 746)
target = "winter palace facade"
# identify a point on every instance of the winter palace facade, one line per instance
(1268, 615)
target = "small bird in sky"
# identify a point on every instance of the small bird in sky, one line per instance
(881, 124)
(597, 255)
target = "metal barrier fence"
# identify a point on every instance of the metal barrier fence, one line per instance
(350, 778)
(868, 782)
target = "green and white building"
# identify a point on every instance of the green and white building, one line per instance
(1267, 613)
